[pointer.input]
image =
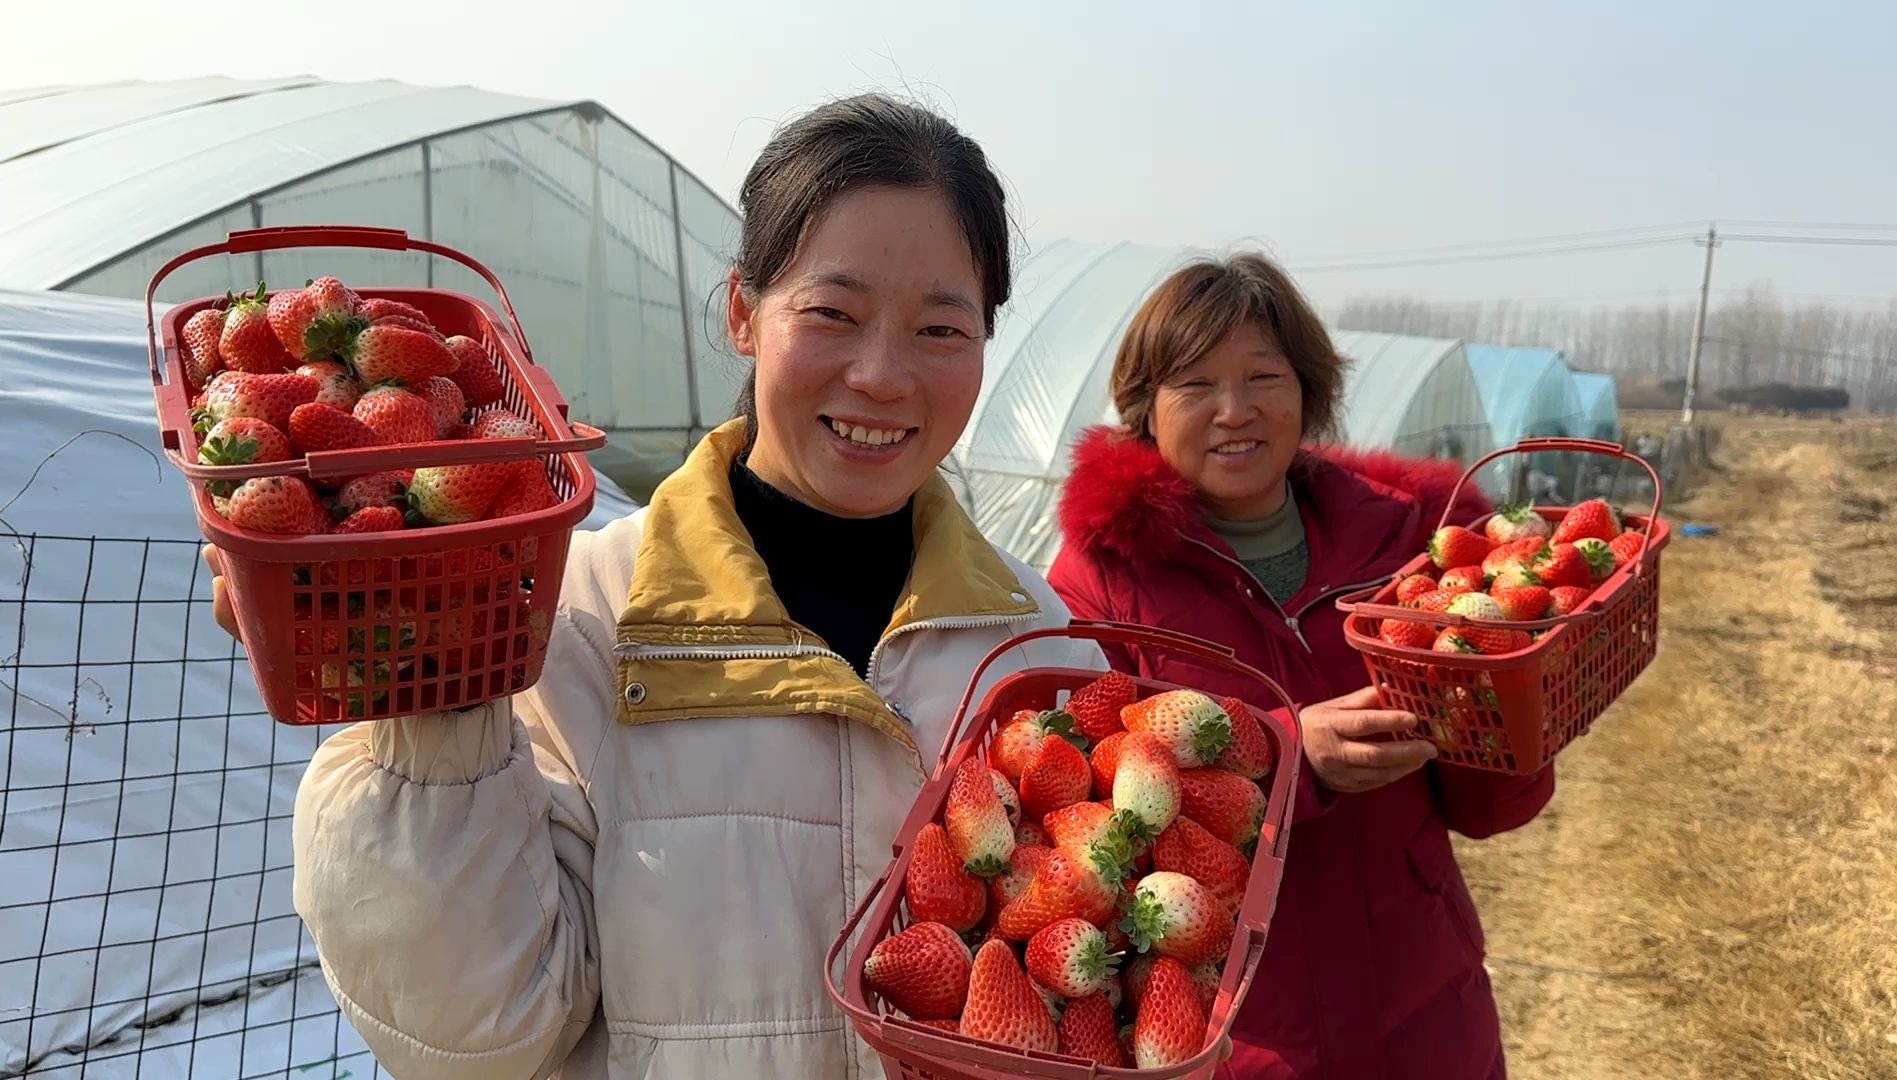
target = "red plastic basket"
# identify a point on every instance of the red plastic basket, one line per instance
(1513, 712)
(915, 1052)
(372, 626)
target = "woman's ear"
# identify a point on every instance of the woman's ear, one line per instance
(738, 313)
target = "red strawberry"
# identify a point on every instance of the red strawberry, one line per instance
(284, 505)
(397, 416)
(1017, 743)
(1080, 825)
(526, 491)
(1010, 798)
(270, 398)
(1523, 604)
(1453, 546)
(1089, 1031)
(1071, 884)
(936, 885)
(1030, 833)
(1230, 807)
(1592, 518)
(1414, 586)
(376, 489)
(1026, 862)
(1436, 600)
(1627, 546)
(1105, 759)
(501, 424)
(452, 494)
(1409, 635)
(1518, 553)
(1567, 598)
(312, 322)
(247, 343)
(1096, 706)
(1518, 522)
(977, 823)
(1517, 576)
(923, 971)
(1176, 916)
(1188, 722)
(243, 440)
(1250, 752)
(338, 387)
(444, 397)
(1601, 560)
(383, 353)
(474, 373)
(1170, 1026)
(1186, 847)
(1146, 784)
(1070, 957)
(1563, 565)
(1057, 776)
(1485, 640)
(201, 333)
(1003, 1006)
(373, 519)
(1464, 579)
(316, 427)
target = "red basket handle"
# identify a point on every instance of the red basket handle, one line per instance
(1544, 444)
(276, 238)
(1122, 633)
(336, 464)
(1352, 603)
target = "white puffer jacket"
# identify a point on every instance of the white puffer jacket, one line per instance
(635, 868)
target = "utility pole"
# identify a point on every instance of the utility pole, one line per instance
(1699, 329)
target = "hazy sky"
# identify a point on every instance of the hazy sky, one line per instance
(1323, 131)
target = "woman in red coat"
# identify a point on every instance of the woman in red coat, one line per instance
(1207, 513)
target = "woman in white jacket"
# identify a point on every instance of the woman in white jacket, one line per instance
(634, 868)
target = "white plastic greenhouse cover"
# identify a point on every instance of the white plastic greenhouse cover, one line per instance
(1600, 404)
(1046, 381)
(1526, 392)
(608, 248)
(144, 794)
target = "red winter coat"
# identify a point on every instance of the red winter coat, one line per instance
(1373, 967)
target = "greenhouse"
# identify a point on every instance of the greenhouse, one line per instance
(1600, 405)
(1526, 392)
(1413, 395)
(609, 249)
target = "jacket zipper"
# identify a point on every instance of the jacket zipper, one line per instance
(946, 622)
(635, 650)
(1290, 620)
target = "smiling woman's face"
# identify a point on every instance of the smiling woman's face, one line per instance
(868, 349)
(1231, 421)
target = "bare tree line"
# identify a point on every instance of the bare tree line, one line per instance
(1755, 338)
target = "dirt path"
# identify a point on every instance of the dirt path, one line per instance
(1713, 891)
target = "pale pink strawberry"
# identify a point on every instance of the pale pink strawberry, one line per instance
(396, 416)
(201, 332)
(1188, 722)
(452, 494)
(977, 821)
(339, 388)
(474, 373)
(1030, 833)
(247, 343)
(1010, 798)
(444, 397)
(1516, 522)
(284, 505)
(1146, 785)
(1206, 976)
(1175, 916)
(1070, 957)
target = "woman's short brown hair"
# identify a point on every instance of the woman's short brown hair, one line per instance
(1196, 307)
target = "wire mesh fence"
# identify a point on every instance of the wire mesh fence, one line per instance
(146, 922)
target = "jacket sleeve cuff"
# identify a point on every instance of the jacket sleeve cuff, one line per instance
(445, 748)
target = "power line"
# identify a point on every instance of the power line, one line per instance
(1798, 350)
(1303, 268)
(1528, 241)
(1835, 225)
(1868, 241)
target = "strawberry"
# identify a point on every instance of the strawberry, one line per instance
(1485, 640)
(284, 505)
(936, 885)
(1567, 598)
(474, 373)
(338, 387)
(452, 494)
(1057, 776)
(270, 398)
(201, 333)
(1206, 976)
(1563, 565)
(1071, 884)
(243, 440)
(1096, 706)
(1081, 825)
(376, 308)
(1516, 576)
(1017, 743)
(376, 489)
(383, 353)
(1026, 862)
(1414, 586)
(501, 424)
(1250, 753)
(247, 343)
(1002, 1005)
(312, 322)
(373, 519)
(1031, 834)
(316, 427)
(1173, 915)
(1408, 635)
(1146, 784)
(1517, 522)
(1593, 518)
(1070, 957)
(1627, 546)
(1186, 847)
(1135, 976)
(1230, 807)
(444, 397)
(1010, 798)
(1170, 1026)
(1464, 579)
(1188, 722)
(396, 416)
(977, 823)
(1522, 605)
(528, 490)
(1453, 546)
(923, 971)
(1600, 557)
(1517, 553)
(1436, 600)
(1476, 606)
(1088, 1031)
(1106, 759)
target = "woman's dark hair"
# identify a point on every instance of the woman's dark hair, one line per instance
(870, 140)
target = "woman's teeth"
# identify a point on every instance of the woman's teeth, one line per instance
(857, 433)
(1236, 447)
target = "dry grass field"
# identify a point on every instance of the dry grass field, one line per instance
(1713, 891)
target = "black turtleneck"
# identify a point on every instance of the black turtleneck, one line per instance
(838, 577)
